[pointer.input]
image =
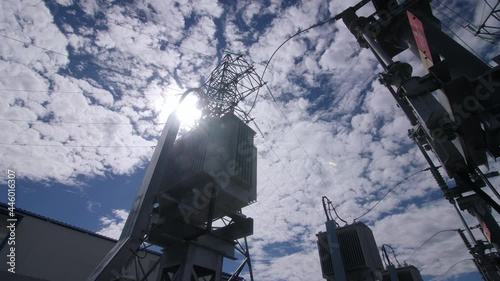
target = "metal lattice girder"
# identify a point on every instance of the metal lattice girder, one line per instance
(233, 80)
(489, 28)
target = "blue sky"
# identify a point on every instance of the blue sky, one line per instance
(86, 87)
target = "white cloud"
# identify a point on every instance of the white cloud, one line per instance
(93, 109)
(91, 205)
(112, 225)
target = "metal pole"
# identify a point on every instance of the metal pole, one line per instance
(464, 223)
(334, 247)
(249, 260)
(392, 272)
(444, 187)
(469, 247)
(485, 179)
(384, 58)
(491, 229)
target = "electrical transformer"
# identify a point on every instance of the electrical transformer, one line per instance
(358, 250)
(405, 273)
(212, 173)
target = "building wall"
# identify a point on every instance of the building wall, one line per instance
(50, 251)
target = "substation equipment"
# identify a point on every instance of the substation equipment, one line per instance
(350, 253)
(208, 174)
(454, 111)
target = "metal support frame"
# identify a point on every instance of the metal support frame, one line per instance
(392, 272)
(482, 260)
(334, 248)
(202, 253)
(193, 260)
(247, 261)
(137, 224)
(452, 71)
(390, 267)
(488, 32)
(331, 251)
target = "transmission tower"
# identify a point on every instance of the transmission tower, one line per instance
(205, 177)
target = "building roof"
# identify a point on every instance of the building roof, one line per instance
(60, 223)
(22, 212)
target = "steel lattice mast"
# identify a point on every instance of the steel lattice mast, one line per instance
(231, 82)
(489, 28)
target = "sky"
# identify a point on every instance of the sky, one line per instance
(87, 85)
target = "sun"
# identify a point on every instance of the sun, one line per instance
(188, 111)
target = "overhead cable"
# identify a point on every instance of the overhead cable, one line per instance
(281, 45)
(385, 256)
(77, 146)
(426, 241)
(444, 274)
(390, 190)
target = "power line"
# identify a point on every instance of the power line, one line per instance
(36, 46)
(288, 171)
(386, 256)
(83, 92)
(484, 10)
(284, 118)
(449, 17)
(291, 177)
(465, 43)
(66, 55)
(95, 65)
(88, 61)
(138, 17)
(42, 91)
(390, 190)
(336, 17)
(144, 33)
(455, 13)
(76, 146)
(426, 241)
(441, 277)
(467, 27)
(328, 207)
(80, 122)
(275, 103)
(281, 45)
(156, 37)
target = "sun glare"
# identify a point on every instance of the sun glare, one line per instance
(188, 112)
